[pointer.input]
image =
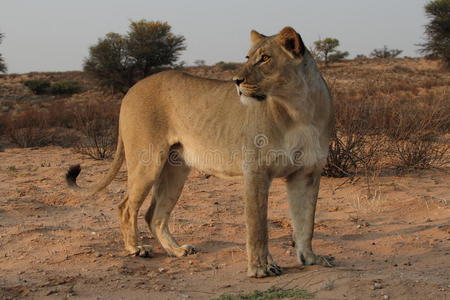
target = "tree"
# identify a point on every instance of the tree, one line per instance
(3, 67)
(326, 49)
(119, 61)
(385, 52)
(338, 56)
(438, 31)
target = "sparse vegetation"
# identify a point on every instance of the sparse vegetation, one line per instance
(376, 126)
(271, 293)
(383, 120)
(224, 66)
(385, 52)
(119, 61)
(438, 31)
(91, 128)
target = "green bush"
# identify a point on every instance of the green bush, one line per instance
(64, 88)
(38, 86)
(41, 87)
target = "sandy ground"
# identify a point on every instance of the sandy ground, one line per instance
(56, 245)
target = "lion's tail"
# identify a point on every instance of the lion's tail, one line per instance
(74, 171)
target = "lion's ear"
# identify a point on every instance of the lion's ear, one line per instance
(291, 41)
(255, 36)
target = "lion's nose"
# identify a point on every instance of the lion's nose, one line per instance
(238, 80)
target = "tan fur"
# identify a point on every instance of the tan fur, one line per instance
(171, 122)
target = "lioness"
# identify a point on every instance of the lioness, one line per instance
(278, 124)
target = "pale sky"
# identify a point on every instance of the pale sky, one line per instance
(55, 35)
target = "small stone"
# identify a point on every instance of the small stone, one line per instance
(190, 262)
(386, 297)
(377, 286)
(160, 270)
(358, 226)
(98, 254)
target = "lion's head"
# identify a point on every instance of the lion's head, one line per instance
(272, 64)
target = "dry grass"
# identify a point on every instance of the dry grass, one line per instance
(397, 118)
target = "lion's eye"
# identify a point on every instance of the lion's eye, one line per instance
(265, 57)
(247, 57)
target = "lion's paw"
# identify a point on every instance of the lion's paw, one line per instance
(321, 260)
(271, 269)
(184, 250)
(143, 251)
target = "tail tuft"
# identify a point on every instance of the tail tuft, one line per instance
(72, 174)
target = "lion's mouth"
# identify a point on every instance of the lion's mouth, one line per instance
(258, 97)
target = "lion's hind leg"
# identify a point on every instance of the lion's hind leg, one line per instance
(166, 191)
(141, 177)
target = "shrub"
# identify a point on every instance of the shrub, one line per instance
(385, 53)
(338, 56)
(64, 88)
(98, 122)
(27, 129)
(118, 61)
(418, 154)
(41, 86)
(38, 86)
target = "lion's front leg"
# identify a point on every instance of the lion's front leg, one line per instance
(260, 263)
(303, 188)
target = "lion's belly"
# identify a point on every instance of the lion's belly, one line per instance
(279, 162)
(214, 162)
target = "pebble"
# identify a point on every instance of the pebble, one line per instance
(161, 270)
(386, 297)
(377, 286)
